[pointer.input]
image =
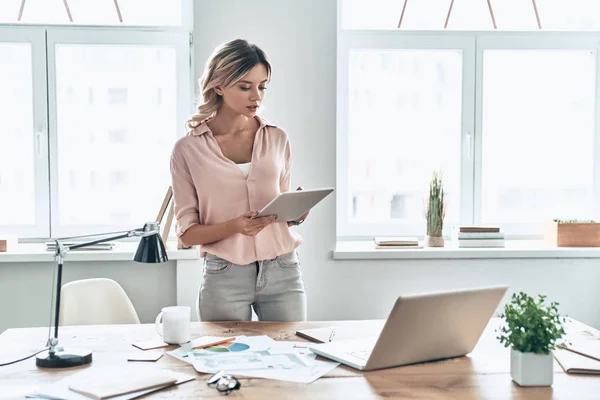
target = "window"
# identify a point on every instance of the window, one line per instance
(93, 12)
(522, 15)
(509, 118)
(91, 116)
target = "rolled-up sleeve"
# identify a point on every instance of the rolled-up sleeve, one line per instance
(285, 180)
(184, 194)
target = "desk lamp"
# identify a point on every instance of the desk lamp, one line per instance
(150, 250)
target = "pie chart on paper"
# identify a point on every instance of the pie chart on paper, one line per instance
(228, 347)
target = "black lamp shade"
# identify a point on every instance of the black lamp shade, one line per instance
(151, 250)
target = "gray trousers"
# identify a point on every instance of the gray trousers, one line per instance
(274, 288)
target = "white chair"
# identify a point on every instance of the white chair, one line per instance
(97, 301)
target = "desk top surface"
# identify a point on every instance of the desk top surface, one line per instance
(483, 374)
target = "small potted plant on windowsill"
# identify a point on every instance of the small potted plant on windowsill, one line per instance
(532, 330)
(435, 211)
(572, 233)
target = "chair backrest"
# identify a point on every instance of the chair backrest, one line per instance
(98, 301)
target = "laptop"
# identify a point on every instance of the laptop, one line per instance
(421, 327)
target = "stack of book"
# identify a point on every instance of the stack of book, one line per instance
(403, 242)
(478, 236)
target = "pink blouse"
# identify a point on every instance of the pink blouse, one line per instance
(209, 188)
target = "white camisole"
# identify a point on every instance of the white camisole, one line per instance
(245, 168)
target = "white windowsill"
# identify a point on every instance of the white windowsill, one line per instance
(122, 251)
(365, 250)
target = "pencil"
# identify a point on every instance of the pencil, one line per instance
(221, 341)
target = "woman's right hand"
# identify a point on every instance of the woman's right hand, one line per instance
(245, 225)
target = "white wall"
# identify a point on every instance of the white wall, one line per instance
(300, 39)
(25, 288)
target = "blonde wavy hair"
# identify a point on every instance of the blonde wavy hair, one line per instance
(227, 64)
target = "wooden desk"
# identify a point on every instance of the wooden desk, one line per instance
(484, 374)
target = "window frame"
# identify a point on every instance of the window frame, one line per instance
(43, 38)
(35, 37)
(474, 44)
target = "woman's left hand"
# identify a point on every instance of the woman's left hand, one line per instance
(302, 218)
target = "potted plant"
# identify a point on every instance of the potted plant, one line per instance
(572, 233)
(532, 330)
(435, 211)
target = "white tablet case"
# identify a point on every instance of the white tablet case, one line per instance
(290, 206)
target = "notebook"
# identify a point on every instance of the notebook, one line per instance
(108, 387)
(396, 241)
(574, 363)
(335, 333)
(477, 228)
(387, 246)
(586, 343)
(60, 389)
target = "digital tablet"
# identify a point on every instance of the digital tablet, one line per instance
(289, 206)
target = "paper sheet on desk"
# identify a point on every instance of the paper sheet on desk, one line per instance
(292, 347)
(300, 375)
(242, 344)
(290, 366)
(264, 358)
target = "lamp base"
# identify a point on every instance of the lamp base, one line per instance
(64, 358)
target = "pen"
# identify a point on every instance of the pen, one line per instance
(332, 335)
(205, 345)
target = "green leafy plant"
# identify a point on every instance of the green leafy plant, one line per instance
(435, 210)
(531, 326)
(574, 221)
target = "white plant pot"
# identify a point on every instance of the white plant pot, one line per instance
(530, 369)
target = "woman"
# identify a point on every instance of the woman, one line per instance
(231, 164)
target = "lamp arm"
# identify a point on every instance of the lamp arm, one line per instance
(92, 235)
(147, 230)
(98, 241)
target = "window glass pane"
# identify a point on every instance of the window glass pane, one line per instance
(404, 122)
(93, 12)
(470, 15)
(419, 14)
(115, 135)
(99, 12)
(163, 12)
(581, 15)
(425, 14)
(574, 15)
(515, 15)
(44, 12)
(538, 134)
(17, 181)
(373, 14)
(9, 10)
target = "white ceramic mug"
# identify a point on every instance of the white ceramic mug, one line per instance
(175, 324)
